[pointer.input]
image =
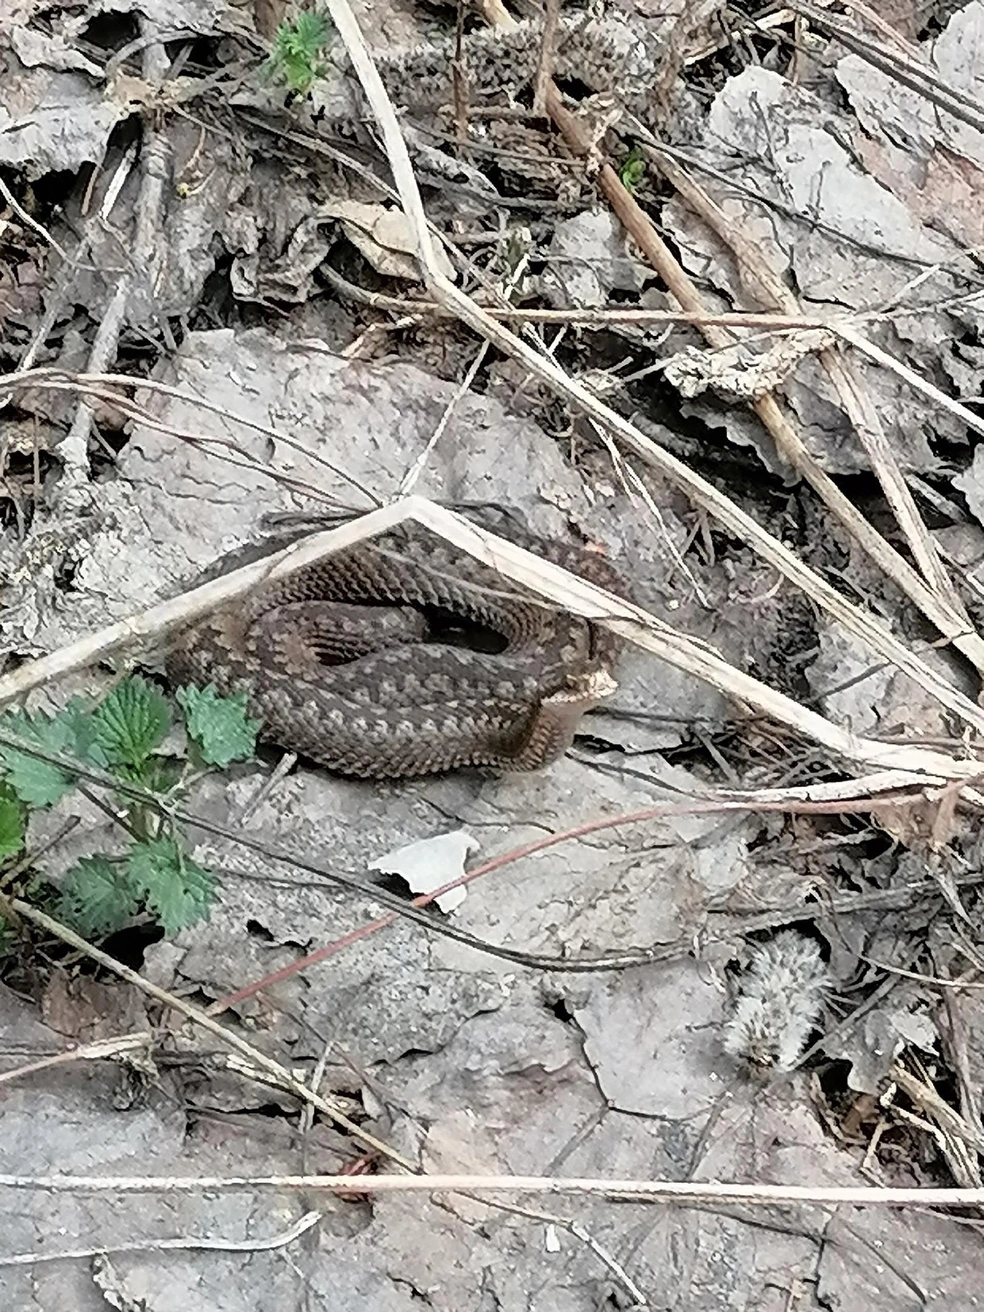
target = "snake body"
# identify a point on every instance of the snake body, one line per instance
(357, 661)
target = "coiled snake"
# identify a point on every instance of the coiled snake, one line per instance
(358, 663)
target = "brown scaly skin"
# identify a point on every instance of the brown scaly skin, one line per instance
(399, 706)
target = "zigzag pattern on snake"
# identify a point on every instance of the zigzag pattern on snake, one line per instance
(359, 662)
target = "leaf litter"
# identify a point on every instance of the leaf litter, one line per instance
(849, 160)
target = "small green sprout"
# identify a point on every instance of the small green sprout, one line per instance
(633, 170)
(297, 49)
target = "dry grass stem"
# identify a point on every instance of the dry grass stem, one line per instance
(104, 386)
(686, 1193)
(915, 73)
(143, 265)
(876, 804)
(183, 1243)
(197, 1016)
(548, 51)
(551, 581)
(959, 1143)
(32, 223)
(151, 624)
(935, 593)
(100, 1050)
(859, 622)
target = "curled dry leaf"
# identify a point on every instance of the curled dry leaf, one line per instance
(383, 236)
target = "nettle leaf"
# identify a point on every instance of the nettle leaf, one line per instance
(82, 727)
(13, 822)
(97, 896)
(131, 722)
(176, 889)
(219, 725)
(37, 782)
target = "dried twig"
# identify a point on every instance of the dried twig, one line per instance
(152, 623)
(864, 625)
(935, 593)
(684, 1192)
(914, 73)
(32, 223)
(102, 386)
(591, 317)
(99, 1050)
(548, 53)
(145, 257)
(960, 1142)
(459, 79)
(725, 803)
(285, 1078)
(183, 1243)
(915, 381)
(691, 20)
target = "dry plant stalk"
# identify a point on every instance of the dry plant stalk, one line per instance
(684, 1192)
(862, 624)
(548, 50)
(283, 1077)
(152, 623)
(934, 593)
(550, 581)
(910, 70)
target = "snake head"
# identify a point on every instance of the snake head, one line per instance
(585, 691)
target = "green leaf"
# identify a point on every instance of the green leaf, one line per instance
(83, 732)
(13, 822)
(176, 889)
(36, 782)
(130, 723)
(306, 35)
(219, 725)
(160, 774)
(97, 896)
(633, 169)
(297, 49)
